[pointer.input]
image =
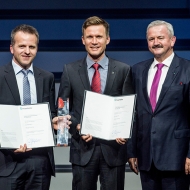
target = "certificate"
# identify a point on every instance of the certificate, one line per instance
(107, 117)
(30, 124)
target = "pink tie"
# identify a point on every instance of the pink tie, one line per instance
(154, 87)
(96, 82)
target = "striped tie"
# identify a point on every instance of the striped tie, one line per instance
(26, 88)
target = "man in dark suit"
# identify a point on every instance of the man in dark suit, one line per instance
(25, 168)
(160, 140)
(91, 157)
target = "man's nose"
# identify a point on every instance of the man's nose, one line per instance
(156, 41)
(94, 40)
(27, 50)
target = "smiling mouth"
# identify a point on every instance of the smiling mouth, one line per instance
(26, 56)
(94, 47)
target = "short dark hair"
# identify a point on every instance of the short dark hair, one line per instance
(23, 28)
(94, 20)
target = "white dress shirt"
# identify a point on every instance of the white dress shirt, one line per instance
(152, 72)
(19, 77)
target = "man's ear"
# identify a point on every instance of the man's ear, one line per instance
(11, 49)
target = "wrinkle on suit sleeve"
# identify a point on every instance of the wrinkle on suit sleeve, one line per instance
(132, 142)
(127, 86)
(52, 98)
(188, 154)
(65, 91)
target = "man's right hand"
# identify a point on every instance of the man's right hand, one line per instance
(87, 137)
(22, 149)
(133, 163)
(55, 121)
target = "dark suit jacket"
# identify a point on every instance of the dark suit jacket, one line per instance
(73, 83)
(162, 136)
(9, 95)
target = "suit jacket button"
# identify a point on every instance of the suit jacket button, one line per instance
(153, 132)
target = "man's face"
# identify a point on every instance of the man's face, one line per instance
(24, 49)
(95, 41)
(160, 43)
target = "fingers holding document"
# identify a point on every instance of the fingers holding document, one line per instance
(87, 137)
(22, 149)
(121, 141)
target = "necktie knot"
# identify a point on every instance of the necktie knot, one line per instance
(160, 66)
(96, 66)
(25, 72)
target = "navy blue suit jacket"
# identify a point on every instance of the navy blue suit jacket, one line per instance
(162, 136)
(45, 89)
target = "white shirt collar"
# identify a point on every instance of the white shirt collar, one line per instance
(18, 68)
(103, 62)
(167, 62)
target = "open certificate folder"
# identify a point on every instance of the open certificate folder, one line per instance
(107, 117)
(30, 124)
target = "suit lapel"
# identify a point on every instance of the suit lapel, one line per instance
(144, 85)
(39, 84)
(84, 75)
(172, 73)
(10, 78)
(112, 72)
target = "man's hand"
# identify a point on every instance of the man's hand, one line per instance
(78, 127)
(55, 121)
(22, 149)
(187, 166)
(121, 141)
(133, 163)
(86, 138)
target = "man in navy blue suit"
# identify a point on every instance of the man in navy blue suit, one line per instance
(26, 168)
(160, 144)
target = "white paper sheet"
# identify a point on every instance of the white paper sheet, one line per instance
(30, 124)
(107, 117)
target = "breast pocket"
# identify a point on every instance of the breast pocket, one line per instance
(185, 133)
(175, 93)
(176, 88)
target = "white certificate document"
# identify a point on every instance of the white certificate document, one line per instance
(107, 117)
(30, 124)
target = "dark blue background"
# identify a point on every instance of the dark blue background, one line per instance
(59, 24)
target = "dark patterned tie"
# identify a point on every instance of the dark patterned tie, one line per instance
(96, 81)
(154, 87)
(26, 88)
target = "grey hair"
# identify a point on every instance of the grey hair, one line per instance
(161, 22)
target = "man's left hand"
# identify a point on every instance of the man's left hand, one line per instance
(121, 141)
(87, 137)
(187, 166)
